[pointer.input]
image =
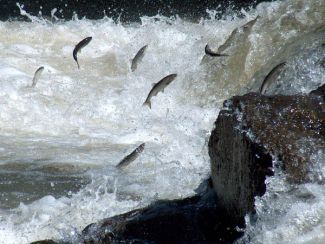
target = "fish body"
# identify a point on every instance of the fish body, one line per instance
(37, 75)
(228, 42)
(209, 52)
(131, 157)
(78, 48)
(159, 86)
(271, 77)
(138, 57)
(246, 29)
(248, 26)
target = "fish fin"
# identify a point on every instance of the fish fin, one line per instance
(153, 84)
(148, 103)
(78, 64)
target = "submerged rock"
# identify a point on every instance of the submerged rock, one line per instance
(44, 242)
(193, 220)
(319, 92)
(250, 131)
(198, 219)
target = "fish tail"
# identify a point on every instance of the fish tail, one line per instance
(148, 103)
(78, 65)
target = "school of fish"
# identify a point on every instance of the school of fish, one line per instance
(270, 78)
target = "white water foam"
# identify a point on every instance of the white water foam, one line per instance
(91, 118)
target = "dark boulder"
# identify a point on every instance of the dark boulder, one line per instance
(251, 131)
(193, 220)
(319, 92)
(44, 242)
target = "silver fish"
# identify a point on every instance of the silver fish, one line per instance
(78, 48)
(228, 42)
(131, 157)
(160, 86)
(209, 52)
(271, 77)
(37, 75)
(138, 57)
(246, 28)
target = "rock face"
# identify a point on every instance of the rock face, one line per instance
(250, 130)
(319, 92)
(238, 166)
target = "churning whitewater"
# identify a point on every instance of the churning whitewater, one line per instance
(62, 139)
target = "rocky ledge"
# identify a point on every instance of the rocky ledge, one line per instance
(252, 134)
(197, 219)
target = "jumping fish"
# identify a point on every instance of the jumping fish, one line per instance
(209, 52)
(271, 77)
(248, 26)
(138, 57)
(78, 48)
(228, 42)
(131, 157)
(37, 75)
(159, 86)
(246, 29)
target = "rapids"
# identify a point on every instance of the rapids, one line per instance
(61, 140)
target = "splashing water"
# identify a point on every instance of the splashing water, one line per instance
(61, 140)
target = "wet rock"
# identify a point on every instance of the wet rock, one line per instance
(250, 130)
(44, 242)
(319, 92)
(193, 220)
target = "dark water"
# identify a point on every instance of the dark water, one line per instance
(124, 10)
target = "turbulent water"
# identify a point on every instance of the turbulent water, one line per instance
(62, 139)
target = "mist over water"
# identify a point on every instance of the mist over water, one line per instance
(61, 140)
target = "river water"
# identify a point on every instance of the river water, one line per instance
(62, 139)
